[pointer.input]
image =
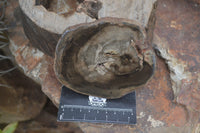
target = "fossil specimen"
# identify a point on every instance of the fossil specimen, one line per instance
(107, 58)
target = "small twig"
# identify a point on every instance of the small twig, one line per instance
(2, 29)
(3, 44)
(2, 37)
(3, 85)
(7, 71)
(2, 57)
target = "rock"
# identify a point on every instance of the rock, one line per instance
(46, 123)
(164, 104)
(32, 61)
(196, 1)
(176, 39)
(20, 98)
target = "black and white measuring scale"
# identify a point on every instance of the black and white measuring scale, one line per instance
(76, 107)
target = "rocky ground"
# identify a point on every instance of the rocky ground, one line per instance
(169, 102)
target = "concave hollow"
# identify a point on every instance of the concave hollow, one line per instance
(104, 58)
(62, 7)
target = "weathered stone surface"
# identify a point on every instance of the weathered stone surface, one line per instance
(33, 62)
(46, 123)
(20, 98)
(196, 1)
(155, 108)
(177, 38)
(170, 100)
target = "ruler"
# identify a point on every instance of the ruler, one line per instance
(75, 107)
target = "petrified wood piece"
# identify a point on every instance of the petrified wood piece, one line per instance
(45, 20)
(106, 58)
(44, 24)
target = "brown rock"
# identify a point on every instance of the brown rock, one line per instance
(196, 1)
(177, 39)
(20, 98)
(46, 123)
(166, 103)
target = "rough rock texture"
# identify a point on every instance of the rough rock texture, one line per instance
(176, 39)
(170, 100)
(46, 123)
(20, 97)
(32, 62)
(196, 1)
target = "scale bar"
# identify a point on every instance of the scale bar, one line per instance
(96, 108)
(75, 107)
(95, 121)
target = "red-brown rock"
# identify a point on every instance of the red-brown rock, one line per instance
(169, 102)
